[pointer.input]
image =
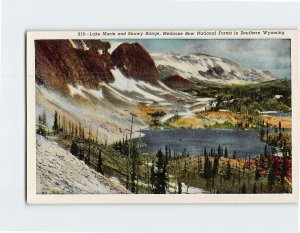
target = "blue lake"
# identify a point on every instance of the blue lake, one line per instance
(279, 114)
(245, 143)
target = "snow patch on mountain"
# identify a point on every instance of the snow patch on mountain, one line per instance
(125, 84)
(76, 90)
(119, 95)
(97, 93)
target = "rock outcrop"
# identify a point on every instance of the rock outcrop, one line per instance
(58, 63)
(134, 61)
(177, 82)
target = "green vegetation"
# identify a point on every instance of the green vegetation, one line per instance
(155, 122)
(227, 175)
(42, 125)
(247, 98)
(213, 170)
(224, 125)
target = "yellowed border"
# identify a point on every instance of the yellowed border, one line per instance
(34, 198)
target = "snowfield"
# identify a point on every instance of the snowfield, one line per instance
(201, 67)
(125, 84)
(59, 172)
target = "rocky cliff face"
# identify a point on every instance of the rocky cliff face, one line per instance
(88, 63)
(58, 63)
(134, 61)
(177, 82)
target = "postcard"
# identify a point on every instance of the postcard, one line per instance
(195, 116)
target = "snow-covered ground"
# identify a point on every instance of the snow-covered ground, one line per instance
(141, 88)
(193, 66)
(191, 190)
(185, 189)
(59, 172)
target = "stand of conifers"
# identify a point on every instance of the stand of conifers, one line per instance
(213, 170)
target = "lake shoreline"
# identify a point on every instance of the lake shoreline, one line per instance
(193, 141)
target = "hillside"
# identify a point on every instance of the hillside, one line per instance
(265, 96)
(59, 172)
(201, 67)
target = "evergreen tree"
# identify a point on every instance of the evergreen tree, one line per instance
(254, 188)
(44, 120)
(74, 149)
(87, 158)
(63, 124)
(166, 154)
(41, 127)
(82, 133)
(58, 122)
(152, 175)
(134, 164)
(100, 162)
(269, 163)
(199, 165)
(271, 176)
(244, 188)
(234, 155)
(262, 133)
(55, 124)
(40, 119)
(261, 161)
(283, 170)
(81, 153)
(279, 126)
(266, 152)
(239, 174)
(219, 151)
(179, 188)
(76, 131)
(257, 173)
(226, 153)
(160, 181)
(207, 168)
(228, 172)
(215, 166)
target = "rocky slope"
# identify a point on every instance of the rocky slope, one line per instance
(177, 82)
(58, 64)
(134, 61)
(59, 172)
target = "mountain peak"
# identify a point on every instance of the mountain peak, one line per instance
(59, 63)
(204, 67)
(134, 61)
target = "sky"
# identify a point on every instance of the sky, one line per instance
(264, 54)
